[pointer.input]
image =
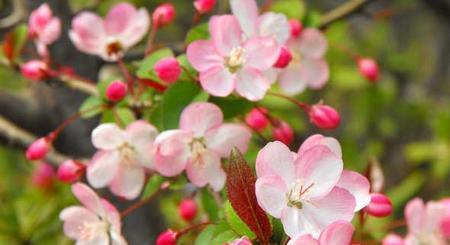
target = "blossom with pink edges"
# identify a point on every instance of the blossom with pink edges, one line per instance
(337, 233)
(96, 222)
(123, 27)
(308, 190)
(241, 241)
(122, 158)
(198, 146)
(44, 28)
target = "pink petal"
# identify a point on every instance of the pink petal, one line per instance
(102, 168)
(271, 194)
(435, 214)
(358, 186)
(200, 117)
(304, 240)
(292, 80)
(141, 136)
(312, 43)
(274, 25)
(112, 215)
(246, 11)
(294, 222)
(172, 152)
(107, 136)
(222, 139)
(261, 52)
(75, 217)
(88, 198)
(39, 18)
(271, 75)
(203, 55)
(338, 233)
(275, 159)
(128, 183)
(321, 167)
(51, 32)
(251, 84)
(88, 33)
(319, 139)
(393, 239)
(316, 72)
(218, 81)
(415, 215)
(206, 169)
(225, 33)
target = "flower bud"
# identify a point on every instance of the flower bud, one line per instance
(379, 206)
(323, 116)
(43, 176)
(35, 70)
(296, 28)
(38, 149)
(393, 239)
(70, 171)
(168, 69)
(257, 119)
(188, 209)
(283, 132)
(163, 14)
(204, 6)
(116, 91)
(168, 237)
(369, 69)
(284, 59)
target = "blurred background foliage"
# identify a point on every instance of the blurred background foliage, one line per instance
(403, 121)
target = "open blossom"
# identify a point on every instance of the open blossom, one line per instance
(44, 28)
(96, 222)
(123, 27)
(338, 233)
(229, 62)
(122, 158)
(308, 190)
(202, 140)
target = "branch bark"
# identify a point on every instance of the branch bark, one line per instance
(342, 11)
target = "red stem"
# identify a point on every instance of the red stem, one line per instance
(126, 73)
(141, 203)
(151, 38)
(302, 105)
(190, 228)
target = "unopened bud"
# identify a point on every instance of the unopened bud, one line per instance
(283, 132)
(369, 69)
(164, 14)
(296, 28)
(38, 149)
(323, 116)
(204, 6)
(188, 209)
(35, 70)
(284, 59)
(168, 69)
(257, 119)
(70, 171)
(379, 206)
(168, 237)
(43, 176)
(116, 91)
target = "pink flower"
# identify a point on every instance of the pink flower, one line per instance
(35, 70)
(204, 6)
(70, 171)
(424, 222)
(241, 241)
(308, 190)
(202, 140)
(379, 206)
(168, 69)
(38, 149)
(308, 67)
(324, 116)
(257, 119)
(337, 233)
(369, 69)
(123, 27)
(43, 176)
(116, 91)
(227, 63)
(164, 14)
(96, 222)
(123, 157)
(44, 28)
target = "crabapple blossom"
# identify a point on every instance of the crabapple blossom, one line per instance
(308, 190)
(38, 149)
(241, 241)
(123, 27)
(164, 14)
(283, 132)
(116, 91)
(44, 28)
(337, 233)
(284, 59)
(168, 237)
(324, 116)
(228, 62)
(43, 176)
(202, 140)
(368, 68)
(188, 209)
(35, 70)
(70, 171)
(204, 6)
(168, 69)
(257, 119)
(296, 28)
(96, 222)
(122, 158)
(379, 206)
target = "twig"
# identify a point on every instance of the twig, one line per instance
(342, 11)
(142, 202)
(79, 85)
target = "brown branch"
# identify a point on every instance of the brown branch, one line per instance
(341, 12)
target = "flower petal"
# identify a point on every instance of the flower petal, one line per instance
(294, 222)
(338, 233)
(261, 52)
(218, 81)
(225, 33)
(271, 194)
(200, 117)
(88, 198)
(203, 55)
(222, 139)
(51, 32)
(312, 43)
(316, 72)
(88, 33)
(246, 11)
(251, 84)
(172, 152)
(415, 215)
(358, 186)
(292, 79)
(102, 168)
(75, 217)
(136, 30)
(319, 139)
(128, 183)
(275, 159)
(304, 240)
(141, 136)
(274, 25)
(206, 169)
(107, 136)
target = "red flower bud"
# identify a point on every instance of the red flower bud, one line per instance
(296, 28)
(43, 176)
(168, 237)
(188, 209)
(257, 119)
(164, 14)
(116, 91)
(324, 116)
(379, 206)
(70, 171)
(38, 149)
(35, 70)
(204, 6)
(369, 69)
(283, 132)
(284, 59)
(168, 69)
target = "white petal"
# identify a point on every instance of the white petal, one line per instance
(107, 136)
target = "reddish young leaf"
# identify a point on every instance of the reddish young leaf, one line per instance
(241, 193)
(150, 83)
(8, 46)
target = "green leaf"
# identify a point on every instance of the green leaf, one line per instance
(92, 106)
(236, 223)
(152, 186)
(209, 205)
(232, 106)
(409, 187)
(311, 19)
(145, 69)
(188, 71)
(224, 238)
(210, 232)
(199, 32)
(293, 9)
(120, 116)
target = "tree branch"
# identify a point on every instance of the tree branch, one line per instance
(341, 12)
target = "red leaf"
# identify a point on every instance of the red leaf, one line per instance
(241, 193)
(150, 83)
(8, 46)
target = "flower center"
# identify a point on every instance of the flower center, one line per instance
(296, 195)
(127, 154)
(114, 48)
(198, 147)
(91, 230)
(235, 60)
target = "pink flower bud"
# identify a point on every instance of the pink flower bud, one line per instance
(43, 176)
(38, 149)
(163, 14)
(168, 237)
(284, 59)
(35, 70)
(296, 28)
(188, 209)
(168, 69)
(70, 171)
(283, 132)
(323, 116)
(393, 239)
(257, 119)
(116, 91)
(369, 69)
(379, 206)
(204, 6)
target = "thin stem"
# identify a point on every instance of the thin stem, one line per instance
(189, 74)
(151, 39)
(302, 105)
(341, 12)
(196, 19)
(126, 73)
(164, 186)
(191, 228)
(345, 50)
